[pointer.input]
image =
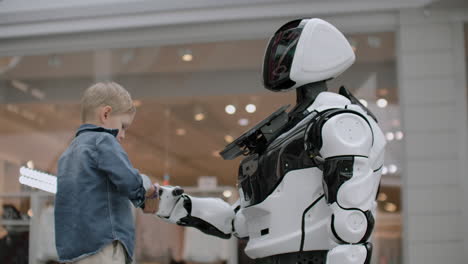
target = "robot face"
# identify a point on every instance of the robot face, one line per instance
(279, 56)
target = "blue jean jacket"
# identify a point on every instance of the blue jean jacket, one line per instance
(96, 183)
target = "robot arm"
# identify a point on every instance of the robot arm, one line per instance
(212, 216)
(343, 142)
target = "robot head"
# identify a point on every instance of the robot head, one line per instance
(305, 51)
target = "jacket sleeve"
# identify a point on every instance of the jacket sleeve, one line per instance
(112, 159)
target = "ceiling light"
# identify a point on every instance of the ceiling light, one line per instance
(38, 93)
(199, 117)
(230, 109)
(390, 207)
(30, 164)
(382, 103)
(399, 135)
(243, 122)
(31, 116)
(384, 170)
(8, 63)
(181, 132)
(186, 55)
(20, 85)
(12, 108)
(250, 108)
(137, 103)
(227, 193)
(392, 168)
(228, 138)
(389, 136)
(382, 197)
(363, 102)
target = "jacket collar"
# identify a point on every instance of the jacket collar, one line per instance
(90, 127)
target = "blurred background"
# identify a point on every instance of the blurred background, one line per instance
(193, 69)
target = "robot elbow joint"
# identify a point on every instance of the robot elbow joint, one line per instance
(352, 226)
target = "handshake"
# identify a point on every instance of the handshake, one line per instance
(167, 196)
(151, 199)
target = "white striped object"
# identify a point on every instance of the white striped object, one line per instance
(39, 180)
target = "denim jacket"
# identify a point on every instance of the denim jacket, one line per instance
(95, 183)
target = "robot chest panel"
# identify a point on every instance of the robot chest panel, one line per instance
(259, 175)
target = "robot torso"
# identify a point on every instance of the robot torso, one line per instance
(281, 189)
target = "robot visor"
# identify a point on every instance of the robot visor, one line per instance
(279, 56)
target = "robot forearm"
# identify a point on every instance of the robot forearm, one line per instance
(350, 190)
(212, 216)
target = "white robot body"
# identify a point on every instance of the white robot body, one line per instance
(295, 217)
(327, 100)
(275, 225)
(346, 134)
(215, 211)
(281, 213)
(239, 225)
(347, 254)
(310, 177)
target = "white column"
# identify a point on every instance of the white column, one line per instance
(433, 99)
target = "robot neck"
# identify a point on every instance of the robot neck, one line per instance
(306, 94)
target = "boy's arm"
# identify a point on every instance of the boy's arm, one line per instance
(112, 159)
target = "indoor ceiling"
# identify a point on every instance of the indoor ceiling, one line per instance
(220, 56)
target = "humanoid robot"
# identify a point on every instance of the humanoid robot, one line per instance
(310, 176)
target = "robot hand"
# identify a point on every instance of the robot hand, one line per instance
(212, 216)
(170, 197)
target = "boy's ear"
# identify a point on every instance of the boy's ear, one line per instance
(105, 113)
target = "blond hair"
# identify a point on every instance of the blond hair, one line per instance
(103, 94)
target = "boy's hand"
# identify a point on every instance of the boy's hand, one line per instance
(151, 206)
(152, 199)
(151, 192)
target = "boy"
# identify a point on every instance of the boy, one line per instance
(93, 217)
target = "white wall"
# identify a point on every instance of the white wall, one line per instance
(433, 100)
